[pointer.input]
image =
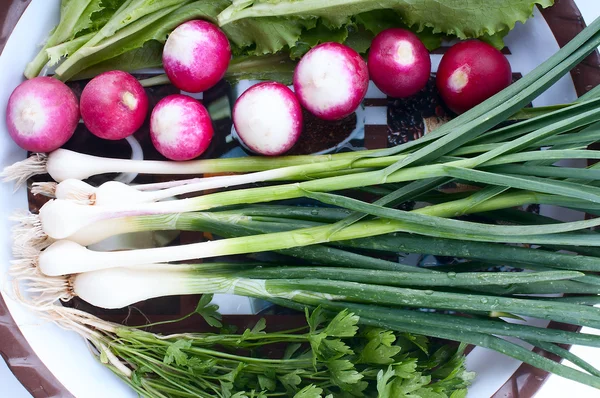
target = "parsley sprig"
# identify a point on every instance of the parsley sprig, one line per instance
(332, 356)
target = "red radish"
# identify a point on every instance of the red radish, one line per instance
(268, 118)
(42, 114)
(331, 80)
(399, 63)
(196, 56)
(180, 127)
(471, 72)
(114, 105)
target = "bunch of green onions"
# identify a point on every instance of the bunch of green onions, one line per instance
(510, 166)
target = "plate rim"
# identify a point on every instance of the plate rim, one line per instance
(41, 382)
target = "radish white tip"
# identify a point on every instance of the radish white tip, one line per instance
(459, 78)
(21, 171)
(44, 188)
(404, 54)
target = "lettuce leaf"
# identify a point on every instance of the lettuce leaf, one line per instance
(267, 35)
(153, 26)
(95, 16)
(461, 18)
(377, 21)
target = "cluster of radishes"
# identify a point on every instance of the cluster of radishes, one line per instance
(469, 72)
(330, 82)
(43, 113)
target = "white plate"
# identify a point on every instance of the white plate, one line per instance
(64, 353)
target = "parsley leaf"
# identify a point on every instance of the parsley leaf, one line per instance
(310, 391)
(405, 369)
(459, 394)
(315, 319)
(379, 349)
(267, 382)
(335, 348)
(175, 353)
(210, 312)
(199, 365)
(292, 380)
(343, 324)
(343, 373)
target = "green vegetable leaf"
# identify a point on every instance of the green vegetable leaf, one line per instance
(175, 353)
(440, 356)
(226, 388)
(277, 67)
(402, 387)
(95, 16)
(267, 382)
(459, 394)
(343, 324)
(376, 21)
(257, 329)
(267, 35)
(334, 349)
(291, 349)
(199, 365)
(343, 373)
(232, 376)
(317, 35)
(103, 356)
(292, 380)
(315, 319)
(315, 340)
(260, 326)
(154, 26)
(210, 312)
(384, 386)
(310, 391)
(379, 348)
(427, 392)
(421, 342)
(462, 18)
(149, 56)
(359, 39)
(405, 369)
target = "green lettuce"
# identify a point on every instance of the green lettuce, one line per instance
(121, 34)
(461, 18)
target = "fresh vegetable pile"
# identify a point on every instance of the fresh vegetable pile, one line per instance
(328, 356)
(328, 252)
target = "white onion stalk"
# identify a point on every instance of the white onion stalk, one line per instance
(134, 284)
(59, 164)
(67, 257)
(116, 193)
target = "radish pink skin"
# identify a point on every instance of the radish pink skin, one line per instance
(113, 105)
(185, 135)
(479, 67)
(399, 63)
(196, 56)
(354, 67)
(287, 98)
(42, 114)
